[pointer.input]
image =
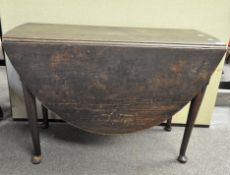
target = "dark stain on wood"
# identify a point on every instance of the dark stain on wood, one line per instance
(112, 88)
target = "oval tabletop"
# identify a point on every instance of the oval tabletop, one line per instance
(111, 80)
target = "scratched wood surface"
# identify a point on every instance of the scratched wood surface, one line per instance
(112, 86)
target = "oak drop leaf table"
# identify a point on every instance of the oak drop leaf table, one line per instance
(112, 80)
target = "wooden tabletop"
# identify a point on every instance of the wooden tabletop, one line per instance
(112, 80)
(79, 33)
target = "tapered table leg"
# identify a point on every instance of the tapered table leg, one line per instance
(32, 117)
(194, 107)
(168, 125)
(45, 123)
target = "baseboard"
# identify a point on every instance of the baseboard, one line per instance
(183, 125)
(39, 120)
(62, 121)
(2, 63)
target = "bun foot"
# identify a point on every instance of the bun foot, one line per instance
(168, 128)
(44, 125)
(182, 159)
(168, 125)
(36, 159)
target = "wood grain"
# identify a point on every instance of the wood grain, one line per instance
(112, 87)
